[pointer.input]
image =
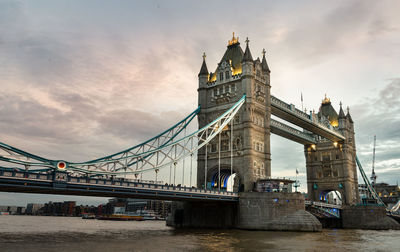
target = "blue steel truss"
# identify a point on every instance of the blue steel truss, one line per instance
(27, 160)
(161, 151)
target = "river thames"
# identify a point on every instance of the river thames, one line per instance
(40, 233)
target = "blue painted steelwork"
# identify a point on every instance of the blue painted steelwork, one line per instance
(151, 155)
(186, 122)
(215, 127)
(53, 163)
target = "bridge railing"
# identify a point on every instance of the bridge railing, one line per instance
(322, 204)
(328, 210)
(290, 107)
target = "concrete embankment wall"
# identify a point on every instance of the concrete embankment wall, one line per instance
(367, 217)
(275, 211)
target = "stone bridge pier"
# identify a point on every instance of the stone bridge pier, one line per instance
(254, 211)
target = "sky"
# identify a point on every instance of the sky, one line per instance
(82, 79)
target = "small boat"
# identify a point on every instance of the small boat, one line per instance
(149, 215)
(120, 217)
(88, 216)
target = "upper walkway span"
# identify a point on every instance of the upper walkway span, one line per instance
(289, 113)
(291, 133)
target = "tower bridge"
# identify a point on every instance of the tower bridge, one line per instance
(231, 146)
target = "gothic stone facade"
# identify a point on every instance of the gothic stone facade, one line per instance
(332, 166)
(237, 74)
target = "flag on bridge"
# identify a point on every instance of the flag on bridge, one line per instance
(301, 101)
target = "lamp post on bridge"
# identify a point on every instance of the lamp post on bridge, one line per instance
(296, 182)
(156, 170)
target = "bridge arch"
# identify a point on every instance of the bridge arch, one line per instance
(229, 182)
(332, 196)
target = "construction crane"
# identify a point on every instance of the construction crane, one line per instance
(373, 175)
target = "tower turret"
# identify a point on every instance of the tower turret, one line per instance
(342, 118)
(348, 116)
(247, 61)
(265, 67)
(203, 79)
(203, 74)
(350, 127)
(264, 63)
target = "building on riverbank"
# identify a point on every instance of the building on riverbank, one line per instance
(390, 194)
(12, 210)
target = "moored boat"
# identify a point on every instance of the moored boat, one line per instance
(120, 217)
(88, 216)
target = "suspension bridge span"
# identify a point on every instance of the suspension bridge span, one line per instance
(213, 173)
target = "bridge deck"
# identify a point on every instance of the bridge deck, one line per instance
(323, 210)
(16, 181)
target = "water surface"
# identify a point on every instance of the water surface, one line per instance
(42, 233)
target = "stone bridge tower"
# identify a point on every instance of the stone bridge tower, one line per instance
(332, 166)
(236, 74)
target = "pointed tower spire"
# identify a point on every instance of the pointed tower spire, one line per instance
(341, 113)
(203, 69)
(247, 54)
(348, 116)
(264, 64)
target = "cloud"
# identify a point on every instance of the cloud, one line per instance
(332, 31)
(135, 124)
(379, 116)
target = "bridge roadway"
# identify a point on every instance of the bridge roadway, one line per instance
(327, 210)
(62, 183)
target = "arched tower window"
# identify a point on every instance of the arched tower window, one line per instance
(221, 76)
(227, 75)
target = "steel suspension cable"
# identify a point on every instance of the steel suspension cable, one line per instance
(231, 154)
(219, 162)
(205, 164)
(183, 165)
(191, 163)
